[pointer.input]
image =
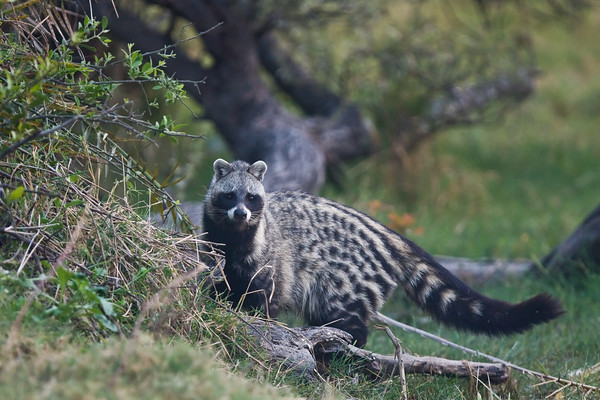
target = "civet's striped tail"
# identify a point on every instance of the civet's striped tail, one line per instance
(454, 303)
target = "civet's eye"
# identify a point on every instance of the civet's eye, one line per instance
(251, 197)
(229, 196)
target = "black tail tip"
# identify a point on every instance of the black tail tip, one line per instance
(539, 309)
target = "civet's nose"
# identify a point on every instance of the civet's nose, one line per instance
(240, 213)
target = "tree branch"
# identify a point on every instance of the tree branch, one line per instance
(37, 134)
(301, 350)
(387, 366)
(339, 127)
(311, 97)
(483, 270)
(458, 107)
(203, 14)
(133, 30)
(462, 104)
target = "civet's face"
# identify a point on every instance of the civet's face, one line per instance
(237, 194)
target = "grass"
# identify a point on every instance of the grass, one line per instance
(557, 348)
(66, 367)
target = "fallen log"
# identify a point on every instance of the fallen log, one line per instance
(301, 349)
(579, 253)
(479, 271)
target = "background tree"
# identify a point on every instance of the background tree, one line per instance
(579, 253)
(277, 89)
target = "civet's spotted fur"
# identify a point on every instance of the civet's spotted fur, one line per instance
(334, 265)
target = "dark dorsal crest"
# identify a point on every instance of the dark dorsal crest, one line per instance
(223, 168)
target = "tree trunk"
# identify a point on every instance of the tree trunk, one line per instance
(579, 253)
(255, 125)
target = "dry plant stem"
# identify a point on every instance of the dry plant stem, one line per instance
(155, 302)
(16, 326)
(594, 369)
(399, 353)
(548, 378)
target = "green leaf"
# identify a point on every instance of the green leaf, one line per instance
(107, 306)
(147, 67)
(63, 276)
(104, 22)
(88, 47)
(16, 194)
(108, 324)
(74, 178)
(37, 87)
(38, 98)
(74, 203)
(46, 265)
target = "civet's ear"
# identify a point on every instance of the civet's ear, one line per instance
(221, 168)
(258, 169)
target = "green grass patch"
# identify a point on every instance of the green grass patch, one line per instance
(143, 368)
(558, 348)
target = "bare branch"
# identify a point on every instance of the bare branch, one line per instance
(312, 97)
(38, 134)
(465, 105)
(299, 348)
(400, 361)
(484, 269)
(386, 366)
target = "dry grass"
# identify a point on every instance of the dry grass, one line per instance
(64, 218)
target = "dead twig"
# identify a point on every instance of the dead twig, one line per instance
(399, 353)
